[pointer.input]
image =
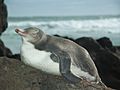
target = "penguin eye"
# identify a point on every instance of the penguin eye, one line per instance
(36, 30)
(33, 34)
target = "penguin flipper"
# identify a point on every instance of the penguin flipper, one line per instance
(64, 64)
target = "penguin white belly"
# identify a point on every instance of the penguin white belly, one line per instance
(39, 59)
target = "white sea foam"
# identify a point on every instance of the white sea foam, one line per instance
(107, 25)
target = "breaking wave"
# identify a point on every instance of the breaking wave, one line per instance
(111, 25)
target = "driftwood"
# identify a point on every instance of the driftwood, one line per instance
(14, 75)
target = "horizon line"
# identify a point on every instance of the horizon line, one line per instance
(63, 16)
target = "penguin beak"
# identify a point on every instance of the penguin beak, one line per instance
(21, 32)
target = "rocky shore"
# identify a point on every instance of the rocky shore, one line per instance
(14, 75)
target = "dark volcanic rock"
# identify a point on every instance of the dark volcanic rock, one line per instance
(3, 17)
(15, 56)
(108, 66)
(89, 43)
(106, 43)
(14, 75)
(1, 1)
(4, 51)
(117, 51)
(118, 47)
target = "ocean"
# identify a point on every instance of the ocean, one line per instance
(71, 26)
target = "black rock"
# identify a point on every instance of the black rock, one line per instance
(4, 51)
(106, 43)
(108, 65)
(118, 47)
(88, 43)
(1, 1)
(15, 56)
(3, 17)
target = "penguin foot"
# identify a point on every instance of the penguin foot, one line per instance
(86, 83)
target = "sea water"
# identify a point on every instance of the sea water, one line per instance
(71, 26)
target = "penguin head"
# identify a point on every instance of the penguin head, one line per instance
(31, 34)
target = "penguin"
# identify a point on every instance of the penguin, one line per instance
(57, 56)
